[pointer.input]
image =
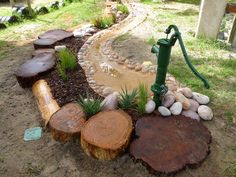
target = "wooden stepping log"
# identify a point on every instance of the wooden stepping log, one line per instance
(30, 71)
(168, 145)
(57, 34)
(44, 43)
(46, 104)
(67, 122)
(40, 51)
(106, 135)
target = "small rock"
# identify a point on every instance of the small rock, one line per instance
(168, 100)
(59, 48)
(130, 66)
(182, 99)
(150, 106)
(176, 108)
(164, 111)
(107, 91)
(191, 114)
(79, 33)
(193, 105)
(186, 92)
(200, 98)
(138, 68)
(110, 102)
(205, 112)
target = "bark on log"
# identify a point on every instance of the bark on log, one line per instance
(46, 104)
(29, 72)
(106, 135)
(67, 122)
(169, 145)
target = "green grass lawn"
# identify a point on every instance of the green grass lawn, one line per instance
(66, 17)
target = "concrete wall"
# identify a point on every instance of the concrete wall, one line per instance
(210, 17)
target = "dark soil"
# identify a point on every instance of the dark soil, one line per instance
(76, 85)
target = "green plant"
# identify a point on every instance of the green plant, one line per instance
(151, 41)
(67, 60)
(142, 97)
(127, 99)
(61, 72)
(103, 22)
(122, 8)
(90, 105)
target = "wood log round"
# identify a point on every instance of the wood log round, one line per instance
(56, 34)
(67, 122)
(167, 145)
(106, 135)
(30, 71)
(46, 104)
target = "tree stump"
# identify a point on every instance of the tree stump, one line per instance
(67, 122)
(106, 135)
(30, 71)
(168, 145)
(46, 104)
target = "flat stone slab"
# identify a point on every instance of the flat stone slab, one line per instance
(67, 122)
(29, 72)
(167, 145)
(106, 135)
(44, 43)
(42, 51)
(56, 34)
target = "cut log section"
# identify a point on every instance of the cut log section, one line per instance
(106, 135)
(29, 72)
(46, 104)
(42, 51)
(67, 122)
(168, 145)
(56, 34)
(44, 43)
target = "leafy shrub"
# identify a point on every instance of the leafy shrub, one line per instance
(127, 100)
(90, 106)
(142, 97)
(122, 8)
(103, 22)
(67, 61)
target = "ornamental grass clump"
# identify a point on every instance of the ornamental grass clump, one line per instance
(142, 98)
(66, 62)
(90, 106)
(103, 22)
(122, 8)
(128, 100)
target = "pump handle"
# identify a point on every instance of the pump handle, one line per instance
(177, 35)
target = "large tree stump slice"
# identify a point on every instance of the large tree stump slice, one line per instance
(67, 122)
(44, 43)
(56, 34)
(168, 145)
(29, 72)
(106, 135)
(46, 104)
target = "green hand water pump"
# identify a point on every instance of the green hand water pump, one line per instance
(163, 58)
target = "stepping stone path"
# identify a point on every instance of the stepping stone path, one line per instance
(169, 145)
(44, 43)
(30, 71)
(106, 135)
(67, 122)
